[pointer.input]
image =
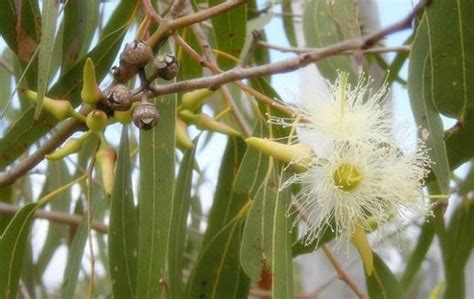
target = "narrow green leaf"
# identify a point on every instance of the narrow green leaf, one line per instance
(458, 248)
(76, 251)
(289, 23)
(123, 227)
(419, 253)
(451, 43)
(157, 154)
(322, 27)
(467, 185)
(58, 175)
(382, 284)
(224, 208)
(301, 247)
(76, 19)
(26, 131)
(48, 22)
(12, 250)
(21, 33)
(229, 31)
(282, 264)
(426, 116)
(217, 272)
(177, 232)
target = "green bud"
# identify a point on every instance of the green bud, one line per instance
(360, 241)
(61, 109)
(194, 99)
(182, 138)
(205, 122)
(96, 120)
(72, 145)
(300, 155)
(106, 158)
(90, 92)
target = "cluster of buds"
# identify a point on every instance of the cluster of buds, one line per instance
(189, 113)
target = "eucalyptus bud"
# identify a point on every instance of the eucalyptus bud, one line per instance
(145, 116)
(192, 100)
(105, 158)
(125, 117)
(90, 93)
(182, 138)
(71, 146)
(359, 240)
(96, 120)
(119, 98)
(137, 53)
(166, 66)
(61, 109)
(300, 155)
(205, 122)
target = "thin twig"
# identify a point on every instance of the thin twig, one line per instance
(54, 216)
(349, 52)
(90, 169)
(342, 275)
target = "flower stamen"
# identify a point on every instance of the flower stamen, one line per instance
(347, 177)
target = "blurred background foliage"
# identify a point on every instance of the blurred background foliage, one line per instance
(165, 232)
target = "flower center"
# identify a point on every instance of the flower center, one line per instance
(347, 177)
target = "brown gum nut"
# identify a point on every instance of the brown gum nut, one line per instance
(137, 53)
(119, 98)
(145, 116)
(167, 66)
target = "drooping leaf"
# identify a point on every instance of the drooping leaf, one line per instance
(13, 243)
(217, 272)
(288, 22)
(467, 185)
(325, 23)
(80, 22)
(229, 32)
(48, 30)
(426, 116)
(76, 250)
(179, 216)
(458, 249)
(157, 154)
(58, 175)
(451, 40)
(418, 255)
(123, 227)
(282, 264)
(383, 284)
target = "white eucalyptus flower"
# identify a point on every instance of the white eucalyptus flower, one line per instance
(358, 182)
(342, 113)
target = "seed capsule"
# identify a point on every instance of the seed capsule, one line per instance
(145, 116)
(166, 66)
(137, 53)
(119, 98)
